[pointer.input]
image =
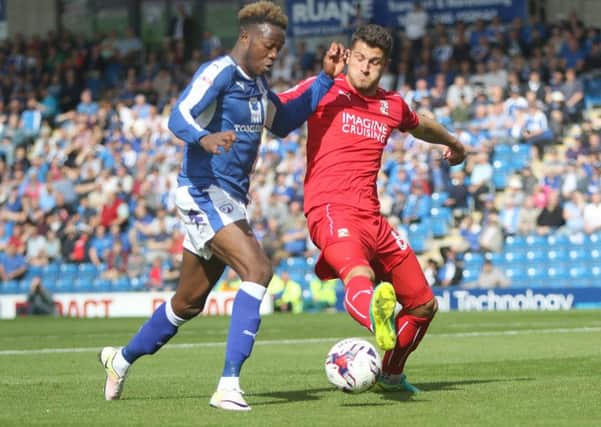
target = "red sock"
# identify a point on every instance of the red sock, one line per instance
(357, 297)
(410, 331)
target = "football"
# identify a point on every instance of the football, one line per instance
(353, 365)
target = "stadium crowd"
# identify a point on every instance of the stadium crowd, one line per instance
(88, 167)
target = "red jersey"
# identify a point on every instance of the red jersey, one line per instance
(347, 134)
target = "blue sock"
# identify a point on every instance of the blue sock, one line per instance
(152, 335)
(244, 325)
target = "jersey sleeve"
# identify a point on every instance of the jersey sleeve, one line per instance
(408, 119)
(288, 110)
(200, 93)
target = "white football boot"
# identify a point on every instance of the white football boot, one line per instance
(113, 385)
(230, 400)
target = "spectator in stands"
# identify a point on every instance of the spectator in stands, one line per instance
(181, 28)
(573, 93)
(480, 171)
(551, 217)
(450, 272)
(491, 236)
(39, 300)
(431, 272)
(287, 294)
(573, 213)
(592, 213)
(417, 206)
(323, 294)
(12, 264)
(490, 277)
(528, 215)
(416, 23)
(231, 283)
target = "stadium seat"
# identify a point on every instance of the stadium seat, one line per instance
(536, 276)
(121, 285)
(521, 155)
(577, 254)
(137, 284)
(438, 199)
(83, 285)
(501, 172)
(470, 275)
(592, 93)
(536, 256)
(556, 255)
(101, 285)
(558, 240)
(512, 242)
(502, 152)
(535, 241)
(63, 285)
(68, 271)
(9, 287)
(594, 255)
(439, 227)
(24, 285)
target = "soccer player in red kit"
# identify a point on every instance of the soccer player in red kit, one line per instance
(347, 134)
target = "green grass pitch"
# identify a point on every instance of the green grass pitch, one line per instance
(476, 369)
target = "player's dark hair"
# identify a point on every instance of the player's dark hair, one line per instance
(262, 12)
(374, 36)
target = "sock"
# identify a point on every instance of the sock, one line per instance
(244, 325)
(357, 298)
(410, 331)
(155, 333)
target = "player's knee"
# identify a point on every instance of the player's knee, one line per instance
(189, 306)
(360, 270)
(428, 309)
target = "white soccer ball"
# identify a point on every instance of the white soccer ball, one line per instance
(353, 365)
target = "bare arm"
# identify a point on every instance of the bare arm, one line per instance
(430, 130)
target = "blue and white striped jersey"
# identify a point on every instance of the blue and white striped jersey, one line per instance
(221, 97)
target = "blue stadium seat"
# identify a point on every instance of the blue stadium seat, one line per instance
(9, 287)
(536, 255)
(592, 92)
(521, 155)
(50, 273)
(417, 235)
(438, 199)
(470, 275)
(83, 285)
(557, 255)
(594, 255)
(501, 172)
(68, 271)
(24, 285)
(439, 227)
(502, 152)
(121, 285)
(101, 285)
(558, 240)
(535, 241)
(63, 285)
(515, 274)
(473, 258)
(536, 276)
(577, 254)
(296, 262)
(512, 242)
(137, 284)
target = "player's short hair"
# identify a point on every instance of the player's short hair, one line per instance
(374, 36)
(262, 12)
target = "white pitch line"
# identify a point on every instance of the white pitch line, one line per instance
(312, 340)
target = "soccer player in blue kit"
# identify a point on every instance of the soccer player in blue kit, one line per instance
(220, 115)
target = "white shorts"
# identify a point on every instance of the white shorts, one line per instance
(204, 212)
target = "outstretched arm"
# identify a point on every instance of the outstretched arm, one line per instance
(289, 110)
(430, 130)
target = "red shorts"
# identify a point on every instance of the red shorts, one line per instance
(349, 237)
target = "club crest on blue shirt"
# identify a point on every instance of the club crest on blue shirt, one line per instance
(227, 208)
(255, 110)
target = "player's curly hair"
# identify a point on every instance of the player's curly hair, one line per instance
(263, 12)
(374, 36)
